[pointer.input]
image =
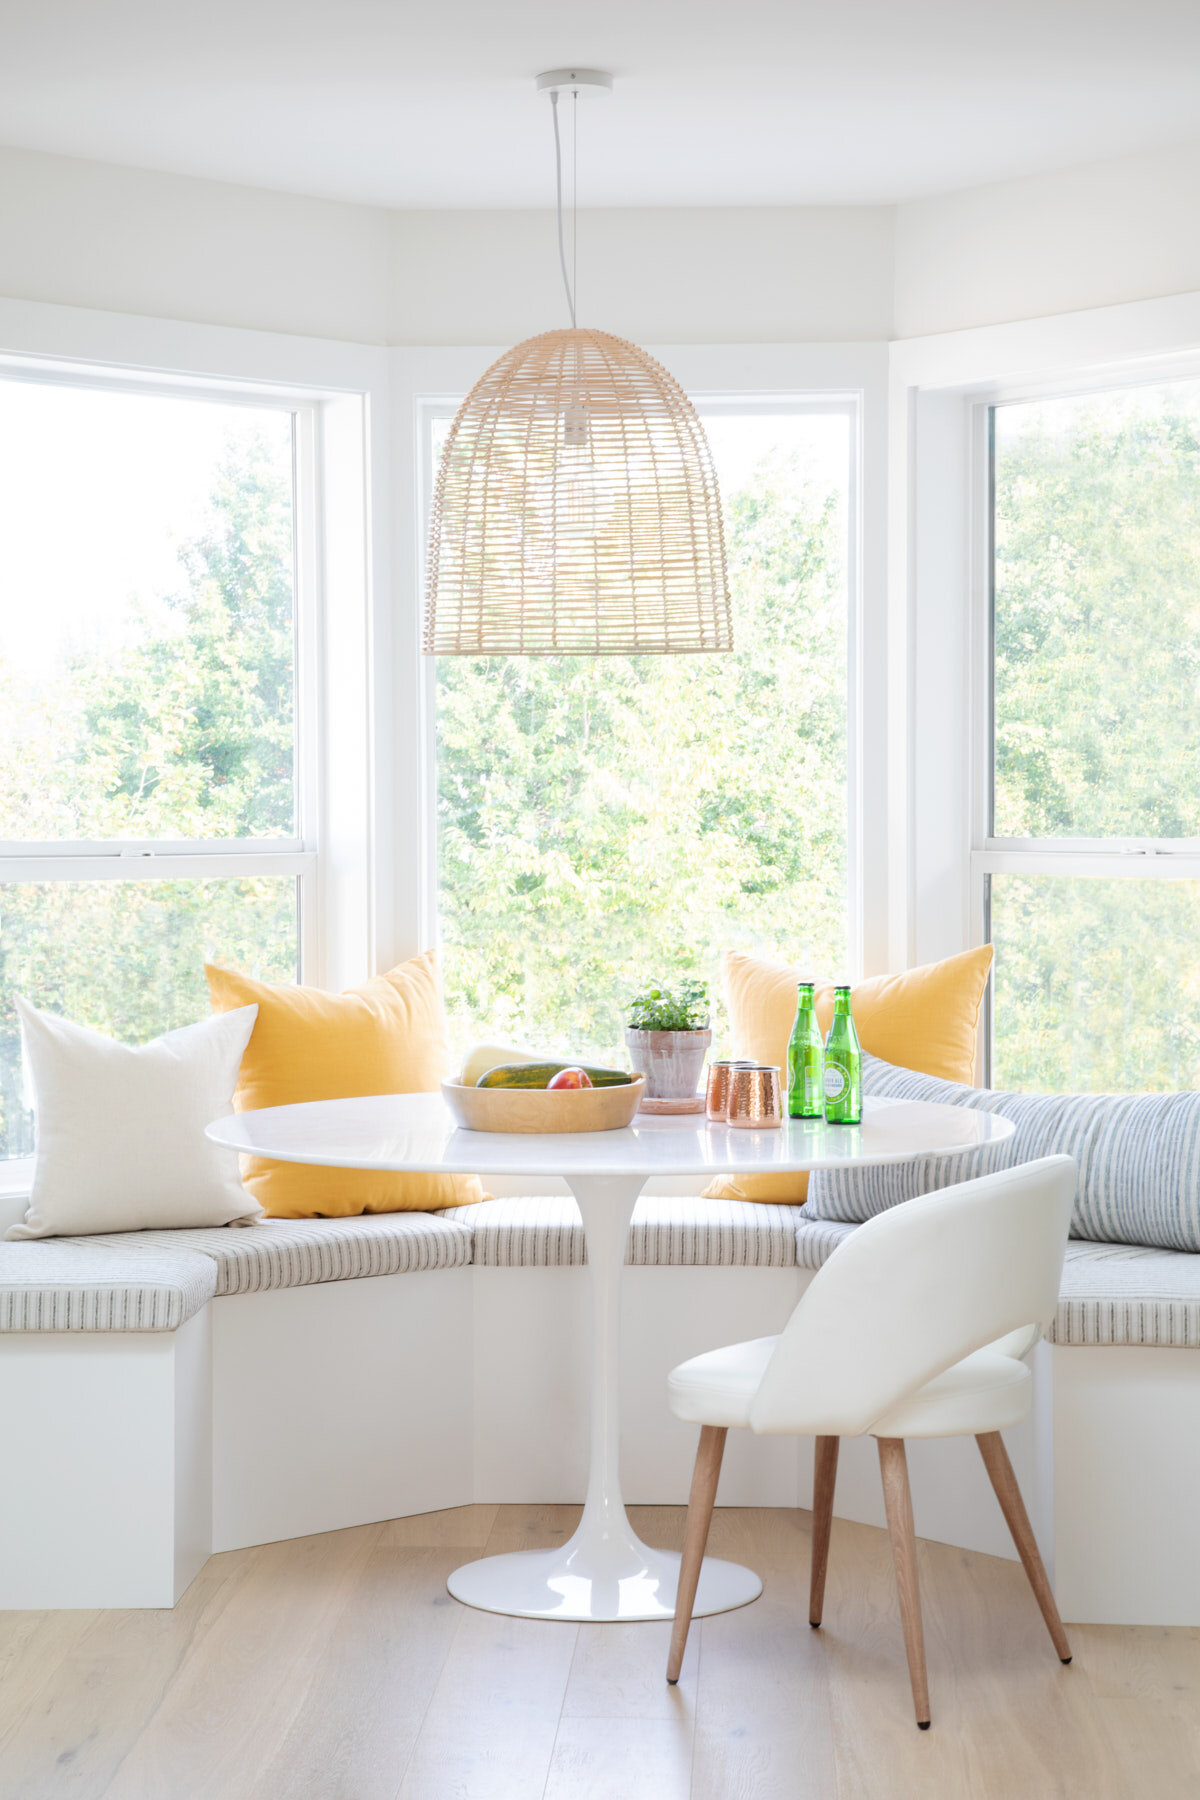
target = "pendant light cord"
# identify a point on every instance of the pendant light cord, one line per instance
(562, 253)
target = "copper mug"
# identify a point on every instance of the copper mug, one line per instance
(755, 1098)
(716, 1099)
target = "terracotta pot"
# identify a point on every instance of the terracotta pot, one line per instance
(671, 1061)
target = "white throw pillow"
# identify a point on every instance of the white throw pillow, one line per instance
(120, 1131)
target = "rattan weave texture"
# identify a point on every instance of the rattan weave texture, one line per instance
(576, 511)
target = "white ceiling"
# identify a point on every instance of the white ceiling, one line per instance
(718, 102)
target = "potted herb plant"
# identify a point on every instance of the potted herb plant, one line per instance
(667, 1037)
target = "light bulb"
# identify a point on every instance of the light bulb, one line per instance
(581, 499)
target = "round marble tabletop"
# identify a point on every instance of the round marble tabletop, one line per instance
(415, 1131)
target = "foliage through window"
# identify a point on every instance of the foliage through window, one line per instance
(147, 696)
(605, 824)
(1096, 702)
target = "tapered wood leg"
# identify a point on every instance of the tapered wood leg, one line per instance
(1008, 1493)
(897, 1499)
(701, 1501)
(825, 1463)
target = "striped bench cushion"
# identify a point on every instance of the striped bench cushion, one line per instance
(283, 1253)
(65, 1285)
(544, 1231)
(1138, 1157)
(1111, 1293)
(1129, 1294)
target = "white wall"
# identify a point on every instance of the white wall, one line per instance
(1082, 238)
(168, 246)
(685, 275)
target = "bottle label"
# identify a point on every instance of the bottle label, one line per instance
(836, 1082)
(812, 1089)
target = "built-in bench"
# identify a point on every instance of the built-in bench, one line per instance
(167, 1394)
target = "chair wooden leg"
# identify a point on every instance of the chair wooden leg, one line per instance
(825, 1463)
(1008, 1493)
(703, 1496)
(898, 1501)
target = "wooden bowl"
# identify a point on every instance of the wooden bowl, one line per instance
(544, 1109)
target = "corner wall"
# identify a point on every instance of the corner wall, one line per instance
(133, 241)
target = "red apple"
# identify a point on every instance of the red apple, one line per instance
(570, 1078)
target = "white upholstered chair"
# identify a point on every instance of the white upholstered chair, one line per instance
(914, 1328)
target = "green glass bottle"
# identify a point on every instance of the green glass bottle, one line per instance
(843, 1065)
(806, 1060)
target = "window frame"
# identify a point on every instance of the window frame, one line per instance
(146, 859)
(936, 676)
(345, 726)
(1106, 858)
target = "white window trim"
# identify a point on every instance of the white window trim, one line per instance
(939, 676)
(430, 382)
(339, 393)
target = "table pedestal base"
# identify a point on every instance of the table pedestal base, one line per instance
(604, 1572)
(595, 1577)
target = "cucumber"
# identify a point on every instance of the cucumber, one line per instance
(538, 1075)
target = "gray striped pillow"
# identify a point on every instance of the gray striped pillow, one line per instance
(1138, 1157)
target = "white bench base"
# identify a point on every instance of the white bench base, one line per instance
(299, 1410)
(338, 1404)
(1126, 1481)
(531, 1382)
(292, 1411)
(110, 1434)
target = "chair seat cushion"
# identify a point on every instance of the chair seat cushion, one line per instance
(984, 1392)
(717, 1387)
(285, 1253)
(1111, 1294)
(545, 1231)
(63, 1284)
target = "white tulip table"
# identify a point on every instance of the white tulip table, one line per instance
(604, 1572)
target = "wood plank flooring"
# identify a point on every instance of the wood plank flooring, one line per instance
(338, 1668)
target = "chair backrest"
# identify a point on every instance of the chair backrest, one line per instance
(913, 1291)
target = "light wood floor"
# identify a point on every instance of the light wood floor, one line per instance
(338, 1668)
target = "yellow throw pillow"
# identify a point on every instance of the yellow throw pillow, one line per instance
(386, 1037)
(925, 1019)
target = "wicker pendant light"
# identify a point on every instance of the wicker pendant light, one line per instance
(576, 510)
